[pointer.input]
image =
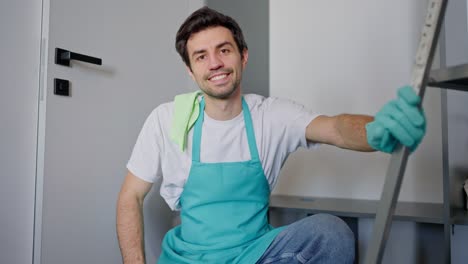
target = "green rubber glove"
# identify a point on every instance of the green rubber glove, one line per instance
(399, 121)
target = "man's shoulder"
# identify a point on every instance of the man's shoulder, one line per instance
(254, 98)
(167, 107)
(255, 101)
(162, 113)
(260, 102)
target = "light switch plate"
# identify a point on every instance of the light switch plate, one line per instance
(61, 87)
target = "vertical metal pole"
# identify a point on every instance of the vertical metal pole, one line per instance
(445, 156)
(396, 169)
(446, 180)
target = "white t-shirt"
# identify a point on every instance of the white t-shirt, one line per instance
(279, 127)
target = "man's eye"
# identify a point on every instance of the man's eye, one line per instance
(225, 51)
(201, 57)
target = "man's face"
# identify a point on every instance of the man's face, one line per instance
(216, 63)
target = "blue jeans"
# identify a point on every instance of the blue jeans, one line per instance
(319, 238)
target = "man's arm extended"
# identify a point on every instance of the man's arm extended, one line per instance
(344, 131)
(399, 121)
(130, 219)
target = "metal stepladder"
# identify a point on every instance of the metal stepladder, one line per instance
(395, 171)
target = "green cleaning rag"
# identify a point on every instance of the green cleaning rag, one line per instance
(186, 111)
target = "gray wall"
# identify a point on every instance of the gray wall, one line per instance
(20, 31)
(253, 17)
(90, 135)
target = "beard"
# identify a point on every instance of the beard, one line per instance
(223, 94)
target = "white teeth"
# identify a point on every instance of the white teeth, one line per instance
(219, 77)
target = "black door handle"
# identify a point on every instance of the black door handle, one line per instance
(63, 57)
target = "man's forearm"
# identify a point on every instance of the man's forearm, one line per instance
(130, 229)
(352, 131)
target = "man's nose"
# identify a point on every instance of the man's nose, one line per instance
(215, 62)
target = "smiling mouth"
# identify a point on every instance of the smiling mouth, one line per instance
(218, 77)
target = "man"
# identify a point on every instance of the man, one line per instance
(219, 168)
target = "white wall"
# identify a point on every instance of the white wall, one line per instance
(20, 31)
(343, 56)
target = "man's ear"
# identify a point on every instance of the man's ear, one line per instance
(245, 57)
(190, 72)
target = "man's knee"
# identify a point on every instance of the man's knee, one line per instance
(331, 224)
(319, 238)
(334, 234)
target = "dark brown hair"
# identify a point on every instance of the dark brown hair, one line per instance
(202, 19)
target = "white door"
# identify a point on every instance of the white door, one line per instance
(20, 39)
(89, 135)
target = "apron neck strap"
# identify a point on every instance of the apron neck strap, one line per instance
(197, 132)
(250, 131)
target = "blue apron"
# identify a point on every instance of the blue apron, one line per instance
(224, 209)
